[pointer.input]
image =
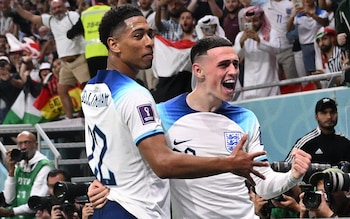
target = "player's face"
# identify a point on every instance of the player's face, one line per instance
(220, 72)
(135, 45)
(327, 119)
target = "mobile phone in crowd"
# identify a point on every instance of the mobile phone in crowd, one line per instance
(248, 25)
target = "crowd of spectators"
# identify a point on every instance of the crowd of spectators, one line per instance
(278, 37)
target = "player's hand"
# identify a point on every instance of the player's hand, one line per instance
(244, 162)
(301, 163)
(98, 193)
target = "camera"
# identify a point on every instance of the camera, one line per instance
(312, 199)
(336, 182)
(282, 166)
(40, 203)
(69, 191)
(18, 155)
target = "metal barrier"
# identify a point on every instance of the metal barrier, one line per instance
(325, 76)
(43, 135)
(3, 153)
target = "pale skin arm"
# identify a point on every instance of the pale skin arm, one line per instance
(215, 8)
(301, 163)
(36, 19)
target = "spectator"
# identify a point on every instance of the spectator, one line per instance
(200, 8)
(6, 23)
(170, 29)
(26, 176)
(54, 176)
(278, 12)
(324, 144)
(187, 23)
(209, 26)
(307, 18)
(71, 52)
(329, 57)
(145, 7)
(138, 187)
(10, 85)
(342, 27)
(95, 52)
(230, 21)
(254, 45)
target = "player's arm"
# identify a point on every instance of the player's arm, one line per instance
(169, 164)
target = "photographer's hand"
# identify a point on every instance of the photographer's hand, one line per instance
(301, 163)
(323, 210)
(290, 203)
(11, 164)
(304, 213)
(56, 212)
(87, 211)
(98, 194)
(4, 212)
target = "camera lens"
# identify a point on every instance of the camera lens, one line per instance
(312, 200)
(336, 182)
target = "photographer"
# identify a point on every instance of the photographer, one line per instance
(54, 176)
(27, 171)
(322, 203)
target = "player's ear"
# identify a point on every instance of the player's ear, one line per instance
(113, 44)
(197, 70)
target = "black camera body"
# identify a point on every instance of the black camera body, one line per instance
(18, 155)
(312, 199)
(40, 203)
(66, 194)
(69, 191)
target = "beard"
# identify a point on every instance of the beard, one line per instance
(326, 48)
(60, 16)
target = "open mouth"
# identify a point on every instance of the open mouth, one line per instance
(230, 84)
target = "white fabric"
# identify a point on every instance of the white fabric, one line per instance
(59, 28)
(119, 113)
(261, 66)
(307, 27)
(278, 14)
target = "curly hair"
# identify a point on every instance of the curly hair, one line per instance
(114, 19)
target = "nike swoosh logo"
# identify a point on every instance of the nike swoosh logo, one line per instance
(180, 142)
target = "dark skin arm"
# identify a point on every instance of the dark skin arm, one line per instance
(168, 164)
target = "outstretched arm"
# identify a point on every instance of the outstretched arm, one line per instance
(36, 19)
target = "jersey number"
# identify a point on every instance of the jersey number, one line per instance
(98, 137)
